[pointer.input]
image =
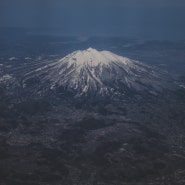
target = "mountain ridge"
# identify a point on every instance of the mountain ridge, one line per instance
(98, 72)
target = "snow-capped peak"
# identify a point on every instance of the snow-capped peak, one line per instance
(98, 72)
(93, 57)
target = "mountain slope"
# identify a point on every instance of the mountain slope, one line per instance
(92, 72)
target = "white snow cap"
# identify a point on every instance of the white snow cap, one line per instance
(99, 72)
(93, 57)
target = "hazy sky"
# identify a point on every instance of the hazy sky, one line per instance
(155, 19)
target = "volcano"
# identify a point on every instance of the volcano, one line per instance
(102, 73)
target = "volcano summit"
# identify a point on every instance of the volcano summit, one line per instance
(102, 73)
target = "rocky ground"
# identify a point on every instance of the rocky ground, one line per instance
(58, 140)
(123, 142)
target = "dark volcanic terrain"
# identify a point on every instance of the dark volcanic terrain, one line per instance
(56, 138)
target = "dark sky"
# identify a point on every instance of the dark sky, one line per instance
(151, 19)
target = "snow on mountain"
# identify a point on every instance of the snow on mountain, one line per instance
(98, 73)
(12, 58)
(5, 78)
